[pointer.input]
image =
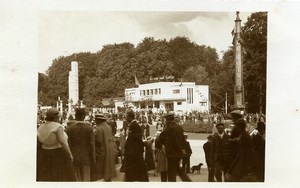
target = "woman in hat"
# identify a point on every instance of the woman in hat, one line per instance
(55, 158)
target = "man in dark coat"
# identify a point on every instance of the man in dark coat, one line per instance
(174, 149)
(207, 147)
(81, 140)
(242, 161)
(219, 144)
(135, 168)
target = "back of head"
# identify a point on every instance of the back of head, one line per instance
(130, 114)
(51, 114)
(80, 114)
(240, 123)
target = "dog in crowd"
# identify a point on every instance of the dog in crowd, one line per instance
(197, 168)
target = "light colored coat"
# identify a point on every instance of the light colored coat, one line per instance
(105, 163)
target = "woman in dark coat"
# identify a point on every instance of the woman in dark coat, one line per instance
(135, 168)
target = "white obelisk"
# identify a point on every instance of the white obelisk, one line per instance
(73, 85)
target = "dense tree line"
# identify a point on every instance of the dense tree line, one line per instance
(106, 73)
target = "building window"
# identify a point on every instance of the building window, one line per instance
(176, 91)
(151, 91)
(159, 91)
(141, 93)
(203, 103)
(147, 92)
(190, 95)
(179, 103)
(144, 93)
(155, 91)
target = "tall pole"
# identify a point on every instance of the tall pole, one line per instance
(226, 102)
(239, 87)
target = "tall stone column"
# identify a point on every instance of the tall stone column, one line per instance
(73, 85)
(239, 87)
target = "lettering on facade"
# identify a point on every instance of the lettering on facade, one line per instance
(167, 77)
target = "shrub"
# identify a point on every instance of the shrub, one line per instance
(197, 127)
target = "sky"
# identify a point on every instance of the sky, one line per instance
(63, 33)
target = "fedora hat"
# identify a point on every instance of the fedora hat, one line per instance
(100, 116)
(169, 115)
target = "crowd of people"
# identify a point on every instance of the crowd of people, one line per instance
(237, 155)
(88, 148)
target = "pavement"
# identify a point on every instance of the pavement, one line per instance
(195, 177)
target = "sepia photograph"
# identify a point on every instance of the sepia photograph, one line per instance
(161, 93)
(152, 96)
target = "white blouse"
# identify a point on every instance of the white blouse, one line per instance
(47, 135)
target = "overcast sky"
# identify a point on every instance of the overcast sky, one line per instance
(65, 33)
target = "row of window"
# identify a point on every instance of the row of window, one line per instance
(150, 92)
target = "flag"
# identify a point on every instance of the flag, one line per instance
(136, 81)
(180, 82)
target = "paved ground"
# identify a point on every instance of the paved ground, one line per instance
(194, 177)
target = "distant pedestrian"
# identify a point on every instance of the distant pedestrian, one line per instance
(81, 140)
(207, 147)
(135, 168)
(186, 157)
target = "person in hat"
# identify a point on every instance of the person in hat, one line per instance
(174, 143)
(219, 144)
(207, 147)
(105, 151)
(81, 140)
(236, 115)
(54, 159)
(241, 159)
(135, 168)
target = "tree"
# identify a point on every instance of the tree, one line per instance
(196, 74)
(254, 35)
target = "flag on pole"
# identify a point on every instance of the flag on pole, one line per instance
(136, 81)
(180, 82)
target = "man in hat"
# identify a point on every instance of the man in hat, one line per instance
(219, 145)
(207, 147)
(174, 144)
(236, 114)
(242, 162)
(81, 139)
(105, 151)
(135, 168)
